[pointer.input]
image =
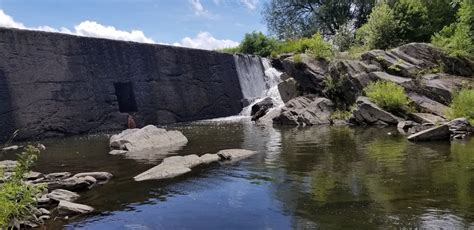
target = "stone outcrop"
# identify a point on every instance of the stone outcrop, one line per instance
(288, 89)
(308, 72)
(148, 137)
(425, 104)
(86, 85)
(305, 110)
(429, 118)
(62, 194)
(261, 108)
(178, 165)
(440, 87)
(68, 208)
(369, 113)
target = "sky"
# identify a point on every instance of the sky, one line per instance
(203, 24)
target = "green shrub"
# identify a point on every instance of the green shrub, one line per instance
(319, 48)
(380, 31)
(387, 95)
(458, 38)
(462, 105)
(17, 198)
(257, 43)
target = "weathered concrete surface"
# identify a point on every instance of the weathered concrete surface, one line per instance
(56, 84)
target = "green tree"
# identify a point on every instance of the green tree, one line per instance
(257, 43)
(381, 28)
(413, 22)
(303, 18)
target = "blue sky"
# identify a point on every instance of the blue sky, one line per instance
(206, 24)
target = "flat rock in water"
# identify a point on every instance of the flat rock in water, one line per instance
(433, 134)
(118, 152)
(148, 137)
(67, 208)
(58, 176)
(72, 184)
(235, 154)
(61, 194)
(162, 171)
(100, 176)
(209, 158)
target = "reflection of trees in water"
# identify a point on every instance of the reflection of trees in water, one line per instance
(340, 176)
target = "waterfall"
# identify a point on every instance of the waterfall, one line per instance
(258, 80)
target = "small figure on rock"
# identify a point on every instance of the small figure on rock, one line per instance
(131, 122)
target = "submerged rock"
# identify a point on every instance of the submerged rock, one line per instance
(305, 111)
(433, 134)
(178, 165)
(369, 113)
(99, 176)
(68, 208)
(62, 194)
(148, 137)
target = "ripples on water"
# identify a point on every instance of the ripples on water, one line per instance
(317, 177)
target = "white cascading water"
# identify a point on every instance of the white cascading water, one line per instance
(258, 80)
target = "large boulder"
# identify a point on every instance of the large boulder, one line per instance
(440, 87)
(427, 105)
(436, 133)
(369, 113)
(148, 137)
(306, 110)
(424, 118)
(261, 108)
(69, 208)
(308, 72)
(288, 89)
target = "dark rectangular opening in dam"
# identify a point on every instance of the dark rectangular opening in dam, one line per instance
(125, 97)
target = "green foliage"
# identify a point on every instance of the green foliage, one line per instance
(380, 31)
(341, 115)
(319, 48)
(412, 20)
(257, 43)
(297, 58)
(462, 105)
(17, 198)
(458, 38)
(232, 50)
(387, 95)
(344, 38)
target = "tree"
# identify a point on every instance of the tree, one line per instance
(303, 18)
(381, 28)
(257, 43)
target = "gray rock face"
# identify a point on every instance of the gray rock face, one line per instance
(148, 137)
(72, 184)
(424, 118)
(428, 105)
(76, 82)
(440, 87)
(69, 208)
(309, 73)
(61, 194)
(410, 127)
(369, 113)
(288, 89)
(7, 165)
(100, 176)
(305, 110)
(261, 108)
(178, 165)
(388, 77)
(436, 133)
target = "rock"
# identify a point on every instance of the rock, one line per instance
(7, 165)
(61, 194)
(261, 108)
(305, 110)
(100, 176)
(43, 200)
(162, 171)
(235, 154)
(428, 105)
(44, 217)
(388, 77)
(44, 211)
(118, 152)
(91, 180)
(58, 176)
(268, 118)
(189, 161)
(288, 89)
(209, 158)
(369, 113)
(424, 118)
(409, 127)
(33, 175)
(10, 148)
(459, 128)
(72, 184)
(66, 208)
(440, 87)
(148, 137)
(436, 133)
(309, 73)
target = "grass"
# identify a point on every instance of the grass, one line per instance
(462, 105)
(341, 115)
(18, 198)
(387, 95)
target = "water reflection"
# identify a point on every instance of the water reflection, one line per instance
(304, 178)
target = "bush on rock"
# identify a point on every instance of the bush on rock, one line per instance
(387, 95)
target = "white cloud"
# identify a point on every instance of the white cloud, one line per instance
(205, 40)
(250, 4)
(198, 8)
(86, 29)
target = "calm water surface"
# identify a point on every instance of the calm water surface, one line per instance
(307, 178)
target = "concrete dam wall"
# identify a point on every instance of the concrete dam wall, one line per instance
(55, 84)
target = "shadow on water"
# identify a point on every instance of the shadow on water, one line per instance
(317, 177)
